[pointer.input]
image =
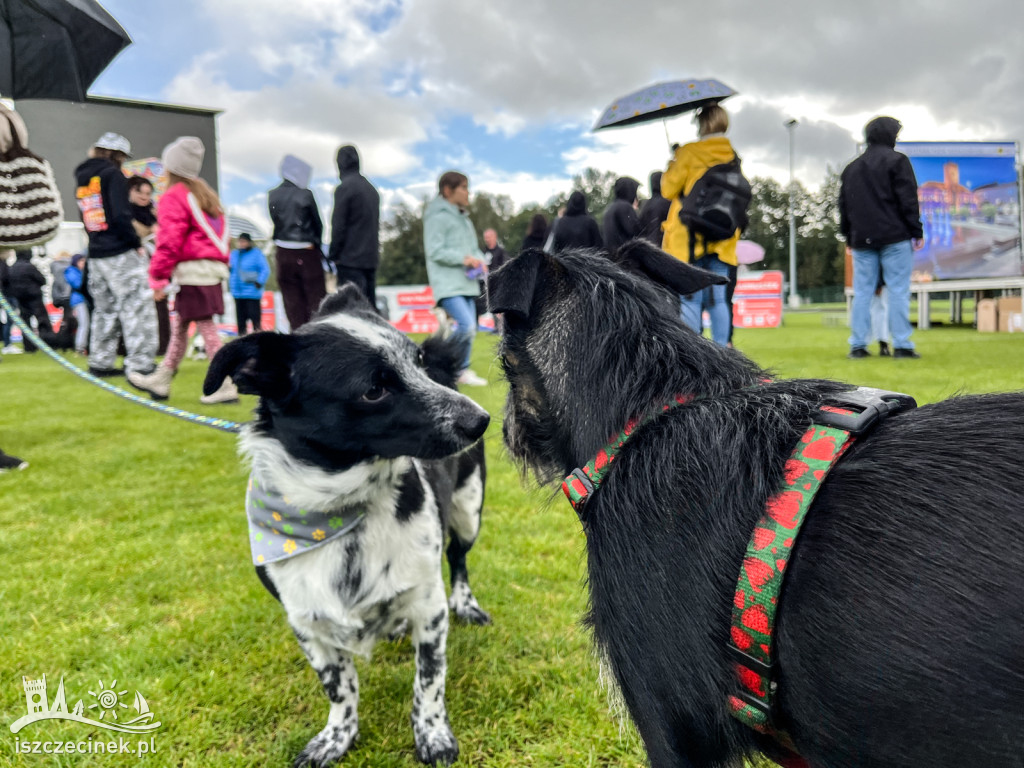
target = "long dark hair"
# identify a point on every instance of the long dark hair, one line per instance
(538, 225)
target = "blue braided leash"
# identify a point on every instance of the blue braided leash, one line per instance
(207, 421)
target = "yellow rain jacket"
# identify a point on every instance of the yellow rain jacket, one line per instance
(688, 165)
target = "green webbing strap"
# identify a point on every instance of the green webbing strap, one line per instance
(761, 577)
(578, 486)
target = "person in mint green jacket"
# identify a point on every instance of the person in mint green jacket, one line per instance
(454, 261)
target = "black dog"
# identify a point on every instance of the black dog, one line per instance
(360, 431)
(899, 635)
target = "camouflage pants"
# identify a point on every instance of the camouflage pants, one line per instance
(122, 302)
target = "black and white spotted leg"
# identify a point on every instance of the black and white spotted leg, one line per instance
(435, 742)
(337, 674)
(463, 527)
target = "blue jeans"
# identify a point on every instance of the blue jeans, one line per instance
(894, 262)
(713, 300)
(462, 309)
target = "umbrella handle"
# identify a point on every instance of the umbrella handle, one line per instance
(668, 141)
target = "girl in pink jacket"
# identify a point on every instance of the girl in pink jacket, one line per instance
(192, 252)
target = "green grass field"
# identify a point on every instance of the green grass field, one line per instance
(125, 556)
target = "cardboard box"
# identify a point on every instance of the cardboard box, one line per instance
(1007, 306)
(987, 315)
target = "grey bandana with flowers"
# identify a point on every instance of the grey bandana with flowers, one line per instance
(279, 530)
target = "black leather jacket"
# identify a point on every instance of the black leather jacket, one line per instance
(295, 214)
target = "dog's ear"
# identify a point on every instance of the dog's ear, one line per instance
(442, 358)
(259, 364)
(347, 298)
(642, 256)
(511, 288)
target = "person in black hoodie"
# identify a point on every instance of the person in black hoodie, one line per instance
(653, 212)
(621, 223)
(577, 228)
(355, 226)
(118, 281)
(25, 284)
(881, 221)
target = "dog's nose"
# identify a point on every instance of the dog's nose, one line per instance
(473, 421)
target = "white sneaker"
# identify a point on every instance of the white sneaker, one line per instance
(228, 393)
(469, 378)
(157, 384)
(10, 349)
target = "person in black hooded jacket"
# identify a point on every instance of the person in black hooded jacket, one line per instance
(654, 212)
(25, 283)
(122, 302)
(355, 226)
(881, 221)
(577, 228)
(621, 223)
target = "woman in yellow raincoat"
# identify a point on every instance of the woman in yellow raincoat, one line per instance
(689, 164)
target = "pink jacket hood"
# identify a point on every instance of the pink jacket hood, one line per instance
(185, 233)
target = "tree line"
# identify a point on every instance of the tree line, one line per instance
(820, 259)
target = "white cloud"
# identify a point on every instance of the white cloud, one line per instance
(309, 75)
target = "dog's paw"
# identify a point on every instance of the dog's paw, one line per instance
(436, 746)
(327, 747)
(467, 609)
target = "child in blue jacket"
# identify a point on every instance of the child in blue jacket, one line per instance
(79, 307)
(249, 273)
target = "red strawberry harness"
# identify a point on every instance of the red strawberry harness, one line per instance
(755, 605)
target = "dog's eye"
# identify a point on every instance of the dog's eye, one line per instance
(421, 359)
(375, 394)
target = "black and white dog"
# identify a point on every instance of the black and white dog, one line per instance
(898, 643)
(365, 455)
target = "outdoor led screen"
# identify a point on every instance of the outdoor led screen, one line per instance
(970, 208)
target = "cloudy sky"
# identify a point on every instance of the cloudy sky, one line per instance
(507, 90)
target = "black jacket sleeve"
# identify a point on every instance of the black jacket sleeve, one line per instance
(844, 219)
(115, 190)
(339, 223)
(904, 186)
(315, 220)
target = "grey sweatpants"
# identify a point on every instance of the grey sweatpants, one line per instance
(122, 301)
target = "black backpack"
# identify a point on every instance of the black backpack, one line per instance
(717, 204)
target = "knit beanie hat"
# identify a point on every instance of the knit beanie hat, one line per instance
(184, 157)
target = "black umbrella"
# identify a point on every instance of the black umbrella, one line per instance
(55, 49)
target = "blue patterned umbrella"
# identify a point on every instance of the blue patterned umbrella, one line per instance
(656, 102)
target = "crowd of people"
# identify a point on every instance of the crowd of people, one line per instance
(116, 296)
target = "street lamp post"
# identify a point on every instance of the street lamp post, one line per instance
(794, 297)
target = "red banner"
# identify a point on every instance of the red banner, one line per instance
(757, 302)
(418, 316)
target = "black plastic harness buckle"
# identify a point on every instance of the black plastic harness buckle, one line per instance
(762, 669)
(869, 407)
(588, 486)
